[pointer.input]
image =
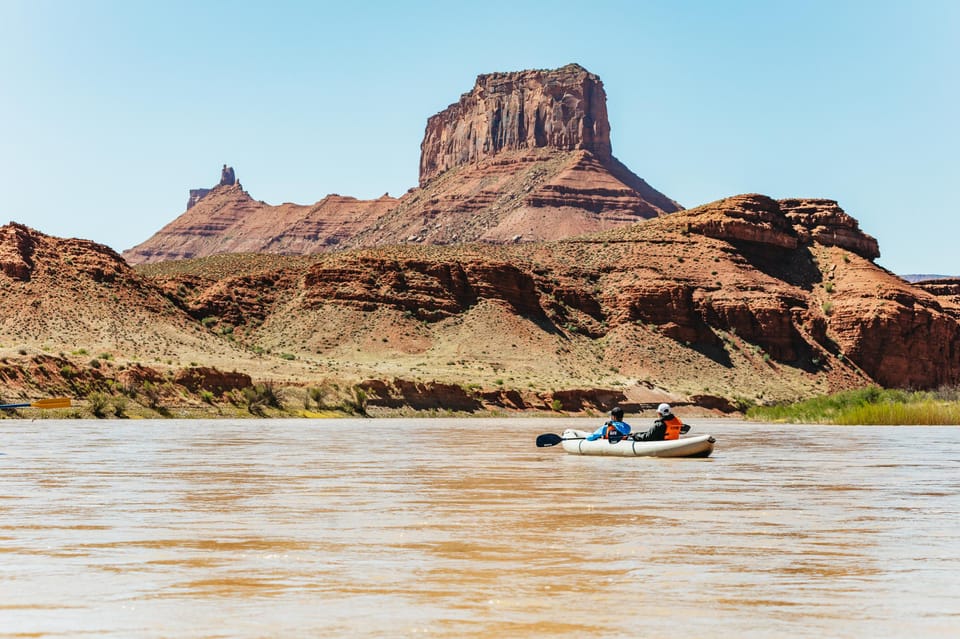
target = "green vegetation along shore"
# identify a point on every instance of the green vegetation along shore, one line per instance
(868, 406)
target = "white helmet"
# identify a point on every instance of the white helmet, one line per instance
(663, 409)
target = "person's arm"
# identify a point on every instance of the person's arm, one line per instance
(597, 434)
(655, 433)
(623, 427)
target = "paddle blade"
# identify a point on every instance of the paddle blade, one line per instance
(685, 428)
(53, 402)
(548, 439)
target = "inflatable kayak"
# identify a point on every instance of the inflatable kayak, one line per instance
(575, 442)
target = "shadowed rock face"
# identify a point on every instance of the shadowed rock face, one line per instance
(563, 109)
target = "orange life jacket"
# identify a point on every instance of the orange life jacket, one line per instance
(611, 430)
(673, 427)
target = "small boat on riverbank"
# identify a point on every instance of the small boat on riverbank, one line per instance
(575, 442)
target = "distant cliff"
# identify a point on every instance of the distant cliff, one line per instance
(524, 156)
(227, 178)
(563, 109)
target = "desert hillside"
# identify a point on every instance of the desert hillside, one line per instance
(747, 297)
(745, 300)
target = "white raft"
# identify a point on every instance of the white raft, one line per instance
(697, 446)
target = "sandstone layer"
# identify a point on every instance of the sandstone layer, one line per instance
(563, 109)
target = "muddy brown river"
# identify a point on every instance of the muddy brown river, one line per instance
(463, 528)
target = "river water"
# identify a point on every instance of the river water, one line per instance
(463, 528)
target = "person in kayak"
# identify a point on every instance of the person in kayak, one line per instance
(665, 427)
(613, 429)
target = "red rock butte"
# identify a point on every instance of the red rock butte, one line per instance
(524, 156)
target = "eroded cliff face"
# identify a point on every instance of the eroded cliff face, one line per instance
(824, 222)
(227, 220)
(564, 109)
(525, 156)
(743, 297)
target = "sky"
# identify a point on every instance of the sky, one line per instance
(112, 110)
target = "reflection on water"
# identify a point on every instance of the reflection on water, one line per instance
(463, 528)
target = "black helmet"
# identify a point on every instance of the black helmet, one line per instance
(617, 412)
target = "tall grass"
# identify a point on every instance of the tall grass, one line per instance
(868, 406)
(918, 413)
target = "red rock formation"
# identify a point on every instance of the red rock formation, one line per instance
(744, 273)
(563, 109)
(524, 156)
(743, 218)
(824, 222)
(17, 245)
(735, 298)
(946, 290)
(227, 178)
(210, 379)
(228, 220)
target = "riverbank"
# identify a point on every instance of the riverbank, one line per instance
(868, 406)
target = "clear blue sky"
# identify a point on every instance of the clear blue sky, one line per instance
(112, 110)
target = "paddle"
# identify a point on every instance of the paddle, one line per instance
(53, 402)
(550, 439)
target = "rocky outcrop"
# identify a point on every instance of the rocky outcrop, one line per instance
(227, 178)
(22, 248)
(824, 222)
(743, 275)
(17, 245)
(563, 109)
(744, 218)
(228, 220)
(428, 289)
(195, 196)
(947, 289)
(524, 156)
(736, 299)
(403, 393)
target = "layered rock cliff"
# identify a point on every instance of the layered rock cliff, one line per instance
(525, 156)
(744, 299)
(227, 220)
(563, 109)
(747, 297)
(227, 178)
